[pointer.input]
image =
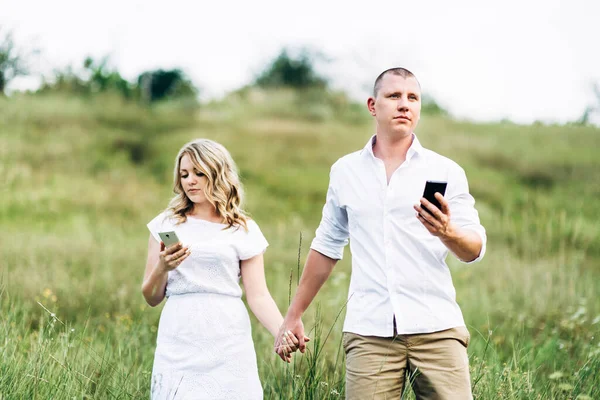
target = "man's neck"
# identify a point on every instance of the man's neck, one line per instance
(388, 148)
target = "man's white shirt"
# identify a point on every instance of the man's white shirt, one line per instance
(398, 267)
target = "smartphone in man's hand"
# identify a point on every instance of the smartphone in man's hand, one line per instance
(431, 188)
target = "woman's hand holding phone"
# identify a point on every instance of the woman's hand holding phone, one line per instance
(171, 257)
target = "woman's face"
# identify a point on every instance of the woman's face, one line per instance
(192, 180)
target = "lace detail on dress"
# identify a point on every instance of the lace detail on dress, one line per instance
(205, 272)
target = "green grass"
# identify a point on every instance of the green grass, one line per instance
(82, 177)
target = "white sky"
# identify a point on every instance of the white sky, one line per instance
(524, 60)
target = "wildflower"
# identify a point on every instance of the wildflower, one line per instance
(579, 313)
(334, 392)
(565, 387)
(556, 375)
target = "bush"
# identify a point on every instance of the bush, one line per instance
(97, 77)
(13, 62)
(286, 71)
(161, 84)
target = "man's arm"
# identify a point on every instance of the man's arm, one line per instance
(317, 269)
(326, 249)
(465, 243)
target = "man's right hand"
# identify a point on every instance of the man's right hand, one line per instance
(317, 269)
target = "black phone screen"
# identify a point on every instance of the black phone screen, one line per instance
(431, 188)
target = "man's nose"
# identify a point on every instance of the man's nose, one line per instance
(402, 104)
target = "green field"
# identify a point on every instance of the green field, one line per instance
(82, 177)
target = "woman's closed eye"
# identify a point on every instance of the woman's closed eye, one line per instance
(198, 174)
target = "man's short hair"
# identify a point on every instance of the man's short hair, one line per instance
(403, 72)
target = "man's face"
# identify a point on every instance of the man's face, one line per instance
(397, 107)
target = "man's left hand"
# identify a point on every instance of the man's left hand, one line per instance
(437, 221)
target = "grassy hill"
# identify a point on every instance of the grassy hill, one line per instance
(82, 177)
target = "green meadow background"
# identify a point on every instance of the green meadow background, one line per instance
(82, 175)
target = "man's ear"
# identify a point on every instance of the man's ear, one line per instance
(371, 105)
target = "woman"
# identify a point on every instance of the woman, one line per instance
(204, 345)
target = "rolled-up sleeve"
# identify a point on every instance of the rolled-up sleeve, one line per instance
(332, 234)
(463, 211)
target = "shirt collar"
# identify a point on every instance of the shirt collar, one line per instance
(415, 147)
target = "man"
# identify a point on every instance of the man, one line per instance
(402, 321)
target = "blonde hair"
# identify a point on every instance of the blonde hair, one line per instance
(223, 190)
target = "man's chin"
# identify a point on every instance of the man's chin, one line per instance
(405, 131)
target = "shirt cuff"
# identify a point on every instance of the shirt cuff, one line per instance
(483, 237)
(327, 249)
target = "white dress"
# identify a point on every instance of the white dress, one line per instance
(204, 347)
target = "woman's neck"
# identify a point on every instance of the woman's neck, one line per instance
(206, 212)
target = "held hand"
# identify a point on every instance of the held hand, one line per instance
(288, 345)
(281, 346)
(438, 221)
(172, 256)
(290, 340)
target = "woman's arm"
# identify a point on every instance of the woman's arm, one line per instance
(155, 277)
(257, 294)
(160, 261)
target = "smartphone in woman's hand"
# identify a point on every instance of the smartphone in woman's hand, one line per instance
(169, 238)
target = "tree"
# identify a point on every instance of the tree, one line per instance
(13, 62)
(95, 77)
(592, 110)
(162, 84)
(286, 71)
(102, 79)
(431, 107)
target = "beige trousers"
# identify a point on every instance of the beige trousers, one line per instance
(434, 364)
